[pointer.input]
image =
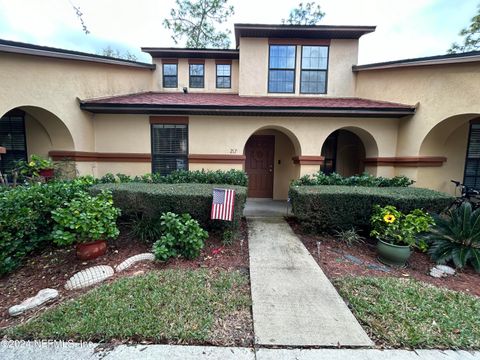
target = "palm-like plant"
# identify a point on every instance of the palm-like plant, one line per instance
(457, 238)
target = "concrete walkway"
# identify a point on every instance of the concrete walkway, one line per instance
(256, 207)
(294, 304)
(67, 351)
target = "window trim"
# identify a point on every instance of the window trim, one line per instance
(222, 76)
(470, 125)
(326, 70)
(294, 71)
(163, 76)
(176, 123)
(196, 76)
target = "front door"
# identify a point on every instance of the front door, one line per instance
(259, 153)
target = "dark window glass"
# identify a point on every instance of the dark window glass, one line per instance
(313, 79)
(281, 75)
(197, 75)
(170, 75)
(12, 137)
(472, 163)
(169, 148)
(224, 79)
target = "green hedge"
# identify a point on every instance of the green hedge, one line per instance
(364, 179)
(151, 200)
(230, 177)
(326, 208)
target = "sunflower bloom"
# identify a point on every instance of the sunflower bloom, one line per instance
(389, 218)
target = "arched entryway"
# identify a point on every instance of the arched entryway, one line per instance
(28, 130)
(456, 140)
(344, 151)
(269, 164)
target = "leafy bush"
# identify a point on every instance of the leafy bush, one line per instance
(181, 236)
(151, 200)
(364, 179)
(26, 220)
(394, 227)
(457, 238)
(230, 177)
(85, 218)
(329, 208)
(349, 237)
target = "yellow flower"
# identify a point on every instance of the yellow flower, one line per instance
(389, 218)
(31, 163)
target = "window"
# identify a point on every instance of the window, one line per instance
(281, 74)
(169, 148)
(224, 80)
(12, 137)
(472, 163)
(170, 75)
(313, 78)
(197, 75)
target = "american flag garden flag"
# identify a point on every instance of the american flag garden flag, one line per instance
(222, 205)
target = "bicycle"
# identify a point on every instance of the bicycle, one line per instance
(467, 194)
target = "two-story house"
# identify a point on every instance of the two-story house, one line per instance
(287, 101)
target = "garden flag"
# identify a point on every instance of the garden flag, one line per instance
(222, 205)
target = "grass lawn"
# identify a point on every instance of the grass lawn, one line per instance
(175, 306)
(407, 313)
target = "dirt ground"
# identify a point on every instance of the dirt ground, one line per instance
(338, 260)
(53, 267)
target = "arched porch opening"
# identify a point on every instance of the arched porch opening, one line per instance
(345, 150)
(269, 164)
(456, 140)
(27, 130)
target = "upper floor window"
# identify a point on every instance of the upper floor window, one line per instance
(170, 75)
(197, 75)
(313, 77)
(281, 73)
(224, 76)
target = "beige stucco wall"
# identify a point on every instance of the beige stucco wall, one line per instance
(254, 68)
(442, 91)
(183, 77)
(55, 85)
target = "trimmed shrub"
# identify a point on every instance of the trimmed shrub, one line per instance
(230, 177)
(328, 208)
(151, 200)
(364, 179)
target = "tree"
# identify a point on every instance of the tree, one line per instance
(196, 20)
(471, 34)
(115, 53)
(305, 14)
(80, 17)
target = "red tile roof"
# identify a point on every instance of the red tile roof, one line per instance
(193, 103)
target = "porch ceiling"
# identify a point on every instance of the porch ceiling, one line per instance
(233, 104)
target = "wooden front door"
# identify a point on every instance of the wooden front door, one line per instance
(259, 153)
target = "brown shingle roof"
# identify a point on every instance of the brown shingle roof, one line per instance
(221, 103)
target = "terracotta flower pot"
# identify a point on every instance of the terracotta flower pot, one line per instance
(47, 173)
(393, 255)
(91, 250)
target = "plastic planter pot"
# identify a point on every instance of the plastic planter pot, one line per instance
(48, 174)
(393, 255)
(91, 250)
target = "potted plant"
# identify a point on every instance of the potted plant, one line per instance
(87, 221)
(397, 232)
(35, 167)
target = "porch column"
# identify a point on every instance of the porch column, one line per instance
(309, 164)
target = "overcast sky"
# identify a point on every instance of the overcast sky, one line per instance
(405, 28)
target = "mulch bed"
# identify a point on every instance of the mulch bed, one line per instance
(54, 266)
(338, 260)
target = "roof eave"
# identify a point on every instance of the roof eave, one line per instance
(72, 56)
(108, 108)
(191, 53)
